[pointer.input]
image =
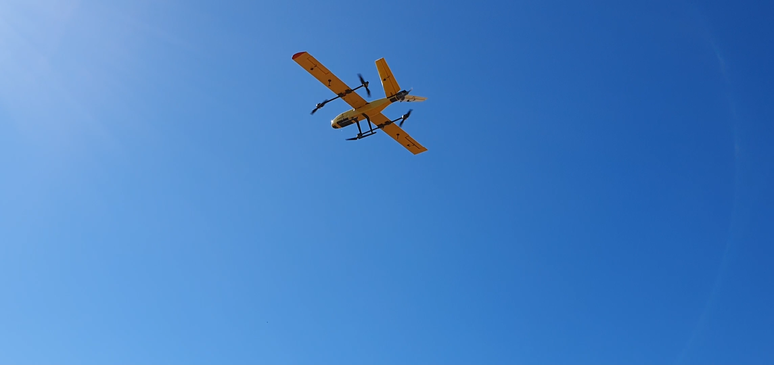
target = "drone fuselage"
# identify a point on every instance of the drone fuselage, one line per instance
(352, 116)
(375, 107)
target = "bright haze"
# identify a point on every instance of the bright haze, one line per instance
(598, 185)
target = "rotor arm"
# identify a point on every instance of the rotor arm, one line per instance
(363, 83)
(400, 120)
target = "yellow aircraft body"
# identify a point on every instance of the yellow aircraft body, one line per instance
(361, 109)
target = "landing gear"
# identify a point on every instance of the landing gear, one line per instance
(360, 134)
(371, 131)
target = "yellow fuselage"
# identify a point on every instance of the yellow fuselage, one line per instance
(355, 115)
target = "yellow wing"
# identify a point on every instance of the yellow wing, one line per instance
(397, 133)
(389, 83)
(314, 67)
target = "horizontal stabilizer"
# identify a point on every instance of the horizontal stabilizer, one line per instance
(411, 98)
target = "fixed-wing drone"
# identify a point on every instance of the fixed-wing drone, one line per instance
(361, 109)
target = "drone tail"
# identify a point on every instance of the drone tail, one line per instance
(412, 98)
(389, 83)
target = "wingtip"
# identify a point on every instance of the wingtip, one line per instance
(298, 54)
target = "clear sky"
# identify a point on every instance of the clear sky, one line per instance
(598, 185)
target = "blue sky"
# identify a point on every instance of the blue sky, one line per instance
(597, 187)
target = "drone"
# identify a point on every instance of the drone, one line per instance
(371, 112)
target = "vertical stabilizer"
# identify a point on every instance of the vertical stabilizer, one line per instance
(388, 80)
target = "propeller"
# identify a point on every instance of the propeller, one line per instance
(320, 105)
(365, 84)
(404, 117)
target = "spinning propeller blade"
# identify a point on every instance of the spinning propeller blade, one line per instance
(319, 105)
(365, 84)
(404, 117)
